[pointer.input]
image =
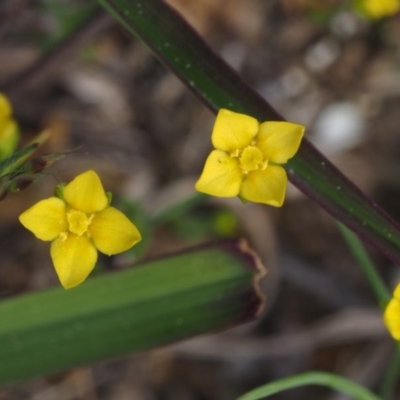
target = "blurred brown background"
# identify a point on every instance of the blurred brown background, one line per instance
(106, 99)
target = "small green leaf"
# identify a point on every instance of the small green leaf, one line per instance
(10, 163)
(22, 181)
(59, 190)
(109, 197)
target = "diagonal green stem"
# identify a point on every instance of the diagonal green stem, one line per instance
(40, 70)
(312, 378)
(178, 209)
(363, 259)
(383, 296)
(183, 51)
(391, 377)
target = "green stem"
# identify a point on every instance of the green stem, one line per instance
(357, 248)
(44, 66)
(391, 377)
(177, 209)
(312, 378)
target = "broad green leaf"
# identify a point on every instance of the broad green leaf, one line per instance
(151, 304)
(183, 51)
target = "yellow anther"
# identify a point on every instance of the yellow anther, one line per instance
(251, 159)
(78, 222)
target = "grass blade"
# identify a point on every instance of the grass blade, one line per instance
(332, 381)
(357, 248)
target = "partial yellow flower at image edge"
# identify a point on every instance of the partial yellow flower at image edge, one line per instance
(79, 225)
(247, 158)
(5, 107)
(9, 132)
(377, 9)
(391, 316)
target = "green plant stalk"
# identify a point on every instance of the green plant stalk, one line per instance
(357, 248)
(176, 210)
(390, 380)
(63, 47)
(158, 302)
(184, 52)
(332, 381)
(383, 296)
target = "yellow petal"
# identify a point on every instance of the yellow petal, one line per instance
(5, 107)
(391, 318)
(112, 232)
(74, 257)
(45, 219)
(396, 293)
(233, 131)
(279, 141)
(85, 193)
(221, 176)
(267, 186)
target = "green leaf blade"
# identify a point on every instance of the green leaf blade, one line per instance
(149, 305)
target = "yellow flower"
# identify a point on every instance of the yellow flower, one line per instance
(391, 316)
(246, 158)
(5, 107)
(377, 9)
(8, 137)
(78, 226)
(8, 129)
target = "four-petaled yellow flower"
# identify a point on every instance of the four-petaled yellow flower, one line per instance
(79, 225)
(391, 316)
(377, 9)
(247, 157)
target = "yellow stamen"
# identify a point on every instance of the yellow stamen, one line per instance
(63, 236)
(78, 222)
(235, 153)
(251, 159)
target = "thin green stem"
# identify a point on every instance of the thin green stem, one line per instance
(176, 210)
(391, 377)
(332, 381)
(383, 295)
(357, 248)
(39, 70)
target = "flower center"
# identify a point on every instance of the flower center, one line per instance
(78, 222)
(252, 159)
